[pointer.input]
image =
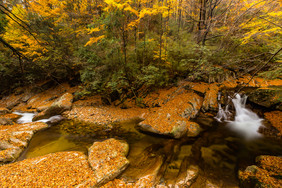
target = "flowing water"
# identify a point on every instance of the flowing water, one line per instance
(27, 117)
(219, 151)
(246, 122)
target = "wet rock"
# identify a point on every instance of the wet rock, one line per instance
(193, 129)
(146, 167)
(14, 138)
(62, 169)
(64, 103)
(210, 100)
(143, 171)
(4, 111)
(54, 120)
(206, 120)
(187, 174)
(145, 181)
(108, 159)
(267, 97)
(210, 184)
(179, 130)
(267, 172)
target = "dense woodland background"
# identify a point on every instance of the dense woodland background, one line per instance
(124, 45)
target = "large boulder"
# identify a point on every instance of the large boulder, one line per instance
(267, 97)
(62, 169)
(172, 119)
(62, 104)
(108, 159)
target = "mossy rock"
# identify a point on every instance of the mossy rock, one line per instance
(267, 97)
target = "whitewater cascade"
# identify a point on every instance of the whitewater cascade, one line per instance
(246, 122)
(27, 118)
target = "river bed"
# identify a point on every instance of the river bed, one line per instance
(218, 151)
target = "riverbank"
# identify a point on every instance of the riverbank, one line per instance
(166, 112)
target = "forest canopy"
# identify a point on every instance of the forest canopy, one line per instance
(121, 45)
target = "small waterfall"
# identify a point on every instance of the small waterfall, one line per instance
(246, 122)
(27, 118)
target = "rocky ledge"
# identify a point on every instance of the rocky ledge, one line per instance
(106, 160)
(14, 139)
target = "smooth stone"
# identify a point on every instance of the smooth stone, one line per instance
(62, 104)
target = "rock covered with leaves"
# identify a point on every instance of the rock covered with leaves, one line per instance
(172, 117)
(62, 169)
(108, 159)
(267, 172)
(15, 138)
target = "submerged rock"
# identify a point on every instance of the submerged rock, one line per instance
(108, 159)
(193, 129)
(143, 171)
(64, 103)
(187, 174)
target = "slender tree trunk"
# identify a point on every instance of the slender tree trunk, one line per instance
(160, 41)
(179, 16)
(20, 56)
(161, 35)
(202, 20)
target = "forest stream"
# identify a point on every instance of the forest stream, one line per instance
(193, 135)
(219, 151)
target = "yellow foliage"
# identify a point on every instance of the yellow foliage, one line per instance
(92, 30)
(94, 40)
(265, 25)
(19, 38)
